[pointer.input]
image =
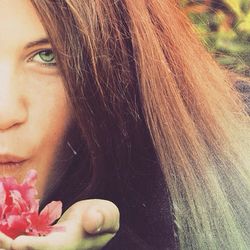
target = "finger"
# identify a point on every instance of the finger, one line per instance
(95, 242)
(68, 238)
(96, 215)
(5, 241)
(71, 238)
(32, 243)
(56, 242)
(100, 216)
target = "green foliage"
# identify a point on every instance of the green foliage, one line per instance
(224, 25)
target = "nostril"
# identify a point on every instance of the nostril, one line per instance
(10, 117)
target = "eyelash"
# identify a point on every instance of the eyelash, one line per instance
(44, 64)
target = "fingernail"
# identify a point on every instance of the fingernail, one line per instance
(99, 221)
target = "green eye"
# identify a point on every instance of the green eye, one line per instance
(45, 57)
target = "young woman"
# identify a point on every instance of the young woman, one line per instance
(118, 101)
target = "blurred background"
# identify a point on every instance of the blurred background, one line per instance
(224, 26)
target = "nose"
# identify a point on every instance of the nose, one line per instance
(12, 106)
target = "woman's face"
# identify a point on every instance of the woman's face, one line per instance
(34, 113)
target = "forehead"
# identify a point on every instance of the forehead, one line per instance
(19, 22)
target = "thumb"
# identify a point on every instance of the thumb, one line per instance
(96, 215)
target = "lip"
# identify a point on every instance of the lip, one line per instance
(11, 159)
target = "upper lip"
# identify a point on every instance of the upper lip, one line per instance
(10, 158)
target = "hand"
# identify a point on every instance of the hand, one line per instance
(88, 224)
(5, 242)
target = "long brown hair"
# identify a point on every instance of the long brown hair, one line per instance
(137, 65)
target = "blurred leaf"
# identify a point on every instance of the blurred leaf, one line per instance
(235, 6)
(224, 26)
(244, 25)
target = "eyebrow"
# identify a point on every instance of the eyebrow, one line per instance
(41, 41)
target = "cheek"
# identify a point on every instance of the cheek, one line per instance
(49, 110)
(49, 119)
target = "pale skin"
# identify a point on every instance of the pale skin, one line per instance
(33, 104)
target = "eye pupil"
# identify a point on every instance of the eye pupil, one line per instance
(47, 56)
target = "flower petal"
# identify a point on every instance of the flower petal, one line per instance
(17, 225)
(19, 210)
(52, 211)
(2, 194)
(31, 177)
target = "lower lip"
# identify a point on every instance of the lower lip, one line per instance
(12, 164)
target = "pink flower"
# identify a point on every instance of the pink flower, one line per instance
(19, 213)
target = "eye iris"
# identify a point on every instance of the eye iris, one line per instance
(47, 56)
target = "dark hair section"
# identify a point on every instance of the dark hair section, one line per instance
(117, 159)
